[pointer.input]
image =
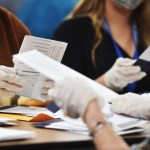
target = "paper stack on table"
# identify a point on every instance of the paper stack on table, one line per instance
(56, 71)
(121, 124)
(13, 134)
(27, 113)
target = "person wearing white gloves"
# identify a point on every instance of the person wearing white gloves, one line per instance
(131, 104)
(122, 73)
(77, 98)
(106, 33)
(9, 82)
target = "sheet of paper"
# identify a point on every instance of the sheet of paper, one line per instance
(131, 131)
(121, 122)
(52, 49)
(6, 119)
(27, 111)
(56, 71)
(7, 122)
(77, 126)
(13, 134)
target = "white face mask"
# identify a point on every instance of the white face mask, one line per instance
(128, 4)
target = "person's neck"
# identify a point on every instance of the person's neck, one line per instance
(119, 21)
(117, 17)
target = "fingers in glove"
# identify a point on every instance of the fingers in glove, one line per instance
(49, 84)
(10, 87)
(129, 70)
(69, 111)
(44, 92)
(5, 93)
(133, 78)
(8, 70)
(51, 94)
(125, 62)
(12, 78)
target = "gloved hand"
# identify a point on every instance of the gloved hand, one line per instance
(122, 73)
(9, 81)
(132, 104)
(73, 95)
(47, 85)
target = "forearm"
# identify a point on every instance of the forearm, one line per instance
(101, 80)
(105, 138)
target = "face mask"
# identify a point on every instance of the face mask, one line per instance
(128, 4)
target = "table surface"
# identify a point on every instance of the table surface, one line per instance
(56, 139)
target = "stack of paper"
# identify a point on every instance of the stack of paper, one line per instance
(6, 122)
(12, 134)
(27, 113)
(56, 71)
(119, 123)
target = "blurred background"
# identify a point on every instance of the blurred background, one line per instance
(41, 17)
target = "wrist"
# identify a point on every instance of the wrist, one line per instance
(98, 127)
(113, 82)
(93, 114)
(101, 80)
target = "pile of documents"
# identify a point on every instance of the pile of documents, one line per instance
(121, 124)
(13, 134)
(56, 72)
(24, 113)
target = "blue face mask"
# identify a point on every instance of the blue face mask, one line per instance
(128, 4)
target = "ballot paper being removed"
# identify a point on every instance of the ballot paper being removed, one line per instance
(56, 71)
(13, 134)
(144, 61)
(35, 80)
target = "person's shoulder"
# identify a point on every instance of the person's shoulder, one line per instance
(77, 23)
(77, 28)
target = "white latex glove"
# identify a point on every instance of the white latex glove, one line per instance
(47, 85)
(122, 73)
(132, 104)
(9, 81)
(73, 95)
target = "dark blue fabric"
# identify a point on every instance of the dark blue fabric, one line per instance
(43, 17)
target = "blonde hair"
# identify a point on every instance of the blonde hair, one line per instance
(95, 9)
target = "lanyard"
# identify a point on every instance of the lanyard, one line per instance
(131, 87)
